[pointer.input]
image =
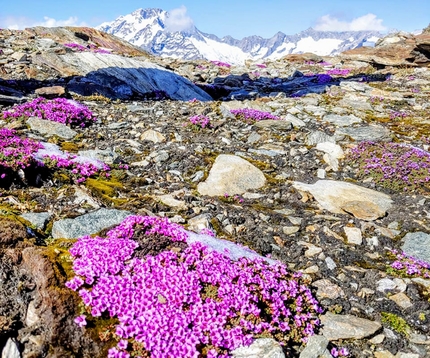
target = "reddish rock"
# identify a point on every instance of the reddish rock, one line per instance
(394, 50)
(11, 232)
(51, 92)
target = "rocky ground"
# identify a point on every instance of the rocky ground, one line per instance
(286, 188)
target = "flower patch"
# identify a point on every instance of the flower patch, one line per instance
(186, 300)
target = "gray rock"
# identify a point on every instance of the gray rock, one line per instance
(327, 289)
(353, 235)
(107, 156)
(336, 326)
(225, 112)
(331, 265)
(316, 137)
(417, 244)
(115, 76)
(371, 132)
(274, 124)
(355, 104)
(341, 121)
(39, 220)
(232, 250)
(198, 223)
(153, 136)
(232, 175)
(296, 122)
(11, 350)
(355, 86)
(88, 224)
(386, 284)
(19, 56)
(50, 128)
(315, 347)
(31, 317)
(253, 138)
(338, 197)
(260, 348)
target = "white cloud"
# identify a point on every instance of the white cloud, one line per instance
(50, 22)
(178, 20)
(19, 23)
(368, 22)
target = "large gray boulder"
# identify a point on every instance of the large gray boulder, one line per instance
(88, 224)
(117, 76)
(231, 175)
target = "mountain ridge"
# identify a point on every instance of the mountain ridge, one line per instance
(147, 28)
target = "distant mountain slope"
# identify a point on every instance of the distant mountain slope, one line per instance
(147, 28)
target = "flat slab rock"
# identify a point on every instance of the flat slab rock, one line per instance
(340, 197)
(232, 175)
(336, 326)
(260, 348)
(11, 349)
(88, 224)
(316, 347)
(417, 244)
(50, 128)
(124, 75)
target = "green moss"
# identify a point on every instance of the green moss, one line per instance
(70, 147)
(217, 228)
(107, 190)
(397, 323)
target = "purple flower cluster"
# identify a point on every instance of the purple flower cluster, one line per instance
(81, 48)
(250, 115)
(58, 110)
(15, 152)
(18, 153)
(338, 72)
(261, 65)
(397, 114)
(181, 303)
(376, 99)
(234, 198)
(410, 266)
(76, 46)
(221, 64)
(392, 165)
(80, 171)
(341, 352)
(200, 121)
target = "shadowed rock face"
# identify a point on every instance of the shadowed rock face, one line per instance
(116, 76)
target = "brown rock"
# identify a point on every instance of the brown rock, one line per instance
(327, 289)
(51, 92)
(11, 232)
(363, 210)
(394, 50)
(336, 326)
(56, 306)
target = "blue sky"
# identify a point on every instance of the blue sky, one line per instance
(238, 18)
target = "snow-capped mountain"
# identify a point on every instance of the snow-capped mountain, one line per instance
(147, 28)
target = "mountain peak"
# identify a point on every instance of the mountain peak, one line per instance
(164, 34)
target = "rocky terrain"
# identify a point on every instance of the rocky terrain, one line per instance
(287, 178)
